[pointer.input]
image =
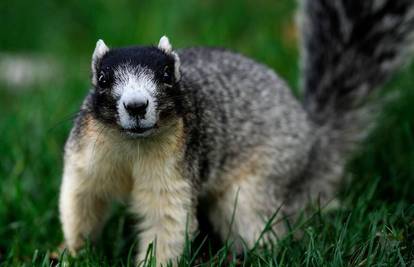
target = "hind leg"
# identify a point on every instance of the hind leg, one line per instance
(241, 211)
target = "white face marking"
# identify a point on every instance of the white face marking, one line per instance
(135, 86)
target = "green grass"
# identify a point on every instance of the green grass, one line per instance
(373, 227)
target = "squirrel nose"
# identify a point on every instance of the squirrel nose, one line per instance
(136, 108)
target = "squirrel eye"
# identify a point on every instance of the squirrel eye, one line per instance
(167, 76)
(103, 79)
(166, 73)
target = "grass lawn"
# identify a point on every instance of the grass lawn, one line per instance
(374, 225)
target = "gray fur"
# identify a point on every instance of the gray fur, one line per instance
(235, 105)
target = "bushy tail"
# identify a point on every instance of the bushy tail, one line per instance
(350, 48)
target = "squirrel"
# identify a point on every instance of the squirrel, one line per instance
(165, 130)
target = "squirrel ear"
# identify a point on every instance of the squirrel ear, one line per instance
(165, 45)
(100, 50)
(177, 64)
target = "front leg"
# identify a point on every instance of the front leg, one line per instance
(167, 210)
(82, 210)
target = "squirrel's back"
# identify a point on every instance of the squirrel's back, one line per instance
(236, 106)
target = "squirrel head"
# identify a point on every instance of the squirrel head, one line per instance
(136, 88)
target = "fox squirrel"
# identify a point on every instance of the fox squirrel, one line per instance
(163, 129)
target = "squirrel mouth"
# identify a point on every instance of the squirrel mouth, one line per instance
(138, 130)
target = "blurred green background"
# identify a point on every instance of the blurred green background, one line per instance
(45, 51)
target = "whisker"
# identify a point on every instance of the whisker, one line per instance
(71, 116)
